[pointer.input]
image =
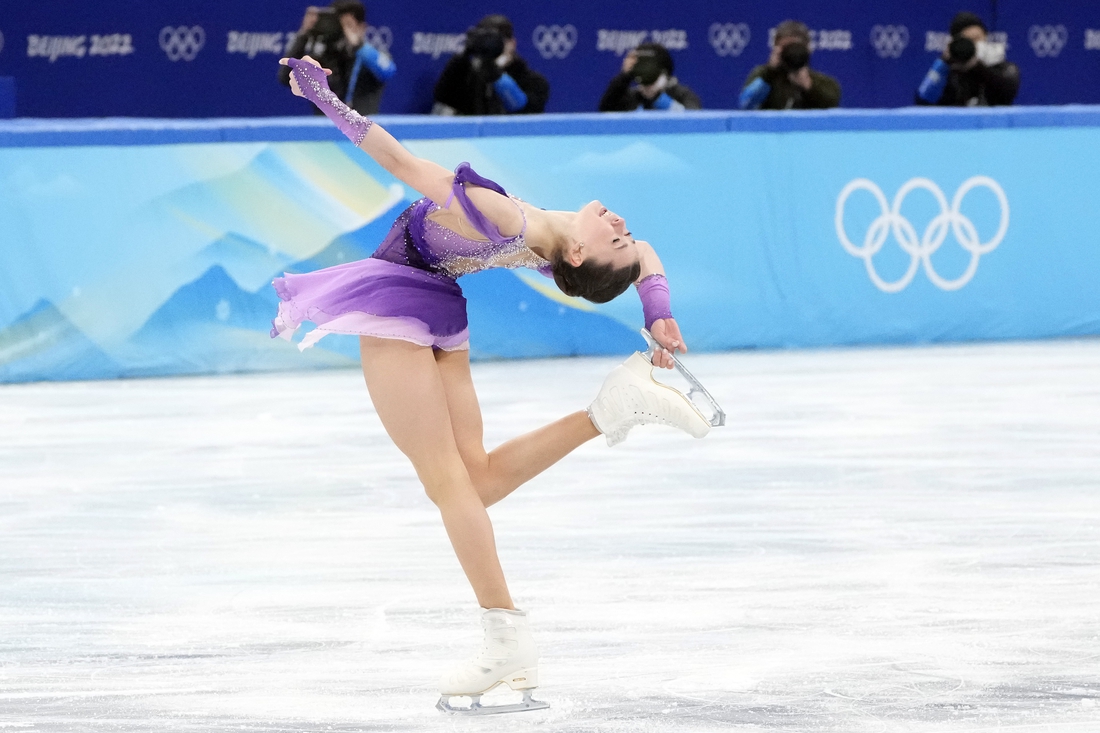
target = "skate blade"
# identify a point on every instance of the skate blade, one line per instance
(698, 394)
(476, 708)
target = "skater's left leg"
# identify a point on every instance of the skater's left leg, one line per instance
(501, 471)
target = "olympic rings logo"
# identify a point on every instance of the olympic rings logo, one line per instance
(889, 40)
(729, 39)
(921, 250)
(182, 43)
(381, 38)
(1047, 40)
(554, 41)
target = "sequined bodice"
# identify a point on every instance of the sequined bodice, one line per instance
(419, 241)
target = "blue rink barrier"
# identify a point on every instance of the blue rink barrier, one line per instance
(139, 248)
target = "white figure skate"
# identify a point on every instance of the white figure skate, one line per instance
(508, 656)
(631, 396)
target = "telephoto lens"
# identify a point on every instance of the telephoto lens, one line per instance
(646, 70)
(327, 27)
(961, 50)
(484, 43)
(794, 56)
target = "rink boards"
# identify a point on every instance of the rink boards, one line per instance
(147, 248)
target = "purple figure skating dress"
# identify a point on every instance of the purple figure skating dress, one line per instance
(407, 289)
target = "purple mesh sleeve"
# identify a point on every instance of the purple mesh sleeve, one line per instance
(465, 174)
(656, 301)
(314, 85)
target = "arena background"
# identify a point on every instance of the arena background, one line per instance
(136, 247)
(206, 59)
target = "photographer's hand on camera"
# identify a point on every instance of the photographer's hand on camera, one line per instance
(629, 60)
(801, 78)
(308, 20)
(354, 33)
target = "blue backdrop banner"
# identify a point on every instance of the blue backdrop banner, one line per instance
(150, 259)
(209, 59)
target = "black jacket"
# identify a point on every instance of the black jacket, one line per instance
(469, 90)
(620, 96)
(981, 86)
(340, 58)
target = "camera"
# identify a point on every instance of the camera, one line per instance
(961, 50)
(327, 29)
(484, 43)
(794, 56)
(646, 70)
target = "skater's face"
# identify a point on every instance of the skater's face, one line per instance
(601, 236)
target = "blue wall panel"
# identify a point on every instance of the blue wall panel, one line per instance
(124, 256)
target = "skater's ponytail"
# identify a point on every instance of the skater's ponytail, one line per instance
(592, 281)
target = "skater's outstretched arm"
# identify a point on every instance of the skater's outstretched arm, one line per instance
(308, 79)
(656, 304)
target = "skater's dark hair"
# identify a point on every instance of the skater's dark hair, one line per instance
(592, 281)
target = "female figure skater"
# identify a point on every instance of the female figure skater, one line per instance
(410, 315)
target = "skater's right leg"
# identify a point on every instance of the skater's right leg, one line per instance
(407, 390)
(498, 473)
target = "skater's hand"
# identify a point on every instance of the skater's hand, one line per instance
(667, 334)
(294, 82)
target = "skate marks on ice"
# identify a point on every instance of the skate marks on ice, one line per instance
(879, 540)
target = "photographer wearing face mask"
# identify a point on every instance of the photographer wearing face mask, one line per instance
(646, 83)
(336, 37)
(972, 71)
(787, 81)
(489, 77)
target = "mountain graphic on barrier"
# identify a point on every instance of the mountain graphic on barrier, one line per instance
(214, 325)
(43, 341)
(200, 301)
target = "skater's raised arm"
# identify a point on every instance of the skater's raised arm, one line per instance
(309, 80)
(648, 259)
(657, 304)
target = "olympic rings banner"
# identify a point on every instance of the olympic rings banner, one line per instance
(151, 259)
(218, 59)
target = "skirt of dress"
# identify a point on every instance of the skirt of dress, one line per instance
(373, 297)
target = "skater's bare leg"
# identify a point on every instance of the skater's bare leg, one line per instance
(501, 471)
(407, 390)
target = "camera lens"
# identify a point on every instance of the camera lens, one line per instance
(484, 42)
(961, 50)
(646, 70)
(795, 55)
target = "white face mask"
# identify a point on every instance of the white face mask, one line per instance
(989, 53)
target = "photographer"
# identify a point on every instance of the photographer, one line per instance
(787, 81)
(489, 77)
(972, 71)
(646, 82)
(336, 37)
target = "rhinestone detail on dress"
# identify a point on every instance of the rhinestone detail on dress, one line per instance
(456, 255)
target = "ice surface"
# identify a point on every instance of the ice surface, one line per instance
(881, 540)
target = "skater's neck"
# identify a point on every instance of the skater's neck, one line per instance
(549, 232)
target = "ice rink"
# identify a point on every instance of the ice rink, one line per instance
(881, 540)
